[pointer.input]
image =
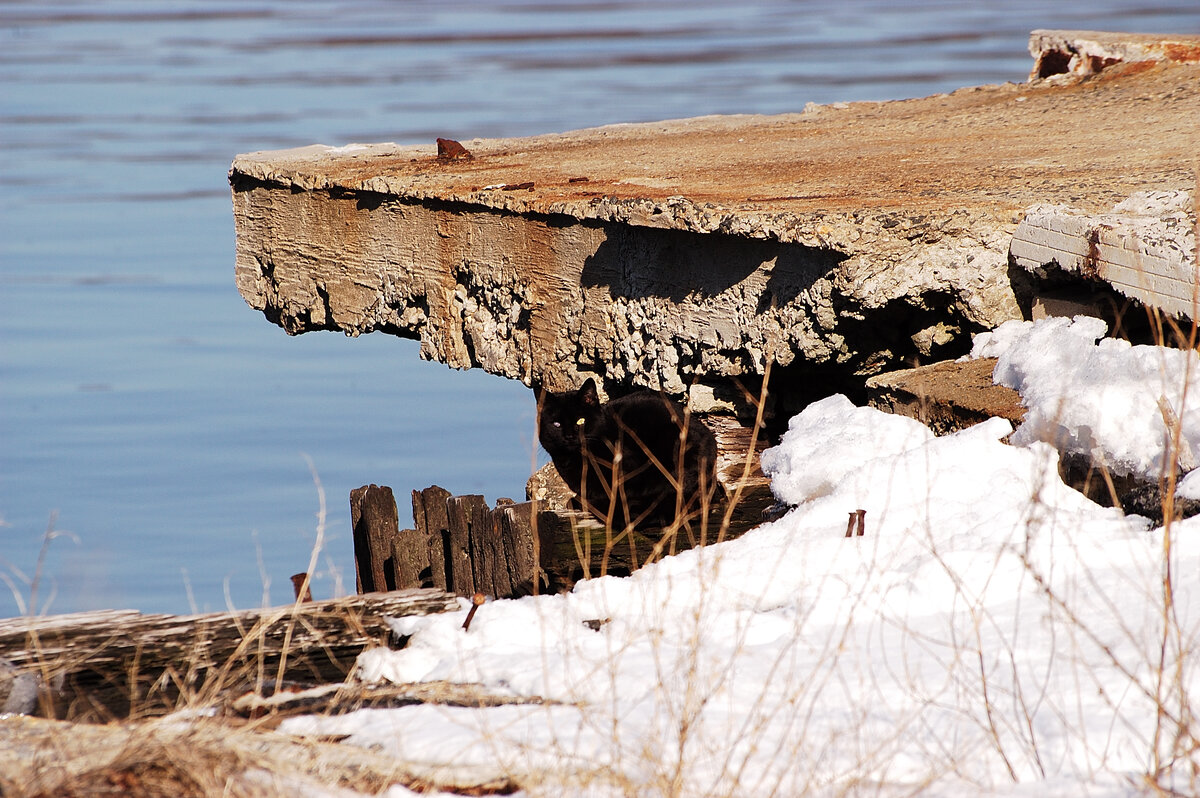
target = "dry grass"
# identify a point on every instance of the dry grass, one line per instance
(198, 748)
(173, 758)
(190, 755)
(1153, 666)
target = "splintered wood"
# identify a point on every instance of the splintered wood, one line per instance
(464, 547)
(106, 664)
(460, 544)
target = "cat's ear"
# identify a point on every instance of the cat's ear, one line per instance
(588, 395)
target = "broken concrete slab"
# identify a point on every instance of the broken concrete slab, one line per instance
(956, 394)
(1086, 52)
(947, 396)
(835, 243)
(1145, 248)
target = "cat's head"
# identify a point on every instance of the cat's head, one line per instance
(565, 418)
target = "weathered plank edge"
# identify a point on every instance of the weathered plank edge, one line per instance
(107, 663)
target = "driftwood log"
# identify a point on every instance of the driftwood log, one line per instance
(117, 663)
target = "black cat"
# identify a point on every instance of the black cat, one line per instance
(636, 460)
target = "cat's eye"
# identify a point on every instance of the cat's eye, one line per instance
(579, 423)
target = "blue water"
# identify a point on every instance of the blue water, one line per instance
(165, 429)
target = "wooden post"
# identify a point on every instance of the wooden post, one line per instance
(376, 525)
(429, 513)
(468, 547)
(463, 547)
(410, 560)
(514, 528)
(464, 512)
(489, 563)
(298, 585)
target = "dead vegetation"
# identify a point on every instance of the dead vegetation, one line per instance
(222, 740)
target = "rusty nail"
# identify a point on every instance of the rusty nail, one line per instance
(298, 585)
(476, 602)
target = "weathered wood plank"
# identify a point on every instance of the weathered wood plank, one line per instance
(514, 525)
(1144, 248)
(502, 552)
(489, 562)
(463, 512)
(376, 525)
(410, 560)
(429, 513)
(116, 661)
(946, 397)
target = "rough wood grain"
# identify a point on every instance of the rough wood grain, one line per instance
(488, 550)
(946, 397)
(429, 513)
(410, 560)
(114, 661)
(376, 525)
(463, 512)
(503, 552)
(515, 528)
(489, 563)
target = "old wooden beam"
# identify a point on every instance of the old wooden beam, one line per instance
(42, 757)
(111, 663)
(1144, 248)
(946, 397)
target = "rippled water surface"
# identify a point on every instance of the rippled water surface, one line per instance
(166, 428)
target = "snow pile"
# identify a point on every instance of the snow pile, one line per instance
(1105, 400)
(869, 438)
(993, 631)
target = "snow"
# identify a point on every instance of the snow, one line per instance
(993, 632)
(1099, 398)
(867, 437)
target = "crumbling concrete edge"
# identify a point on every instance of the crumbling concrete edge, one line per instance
(299, 169)
(1145, 248)
(1081, 53)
